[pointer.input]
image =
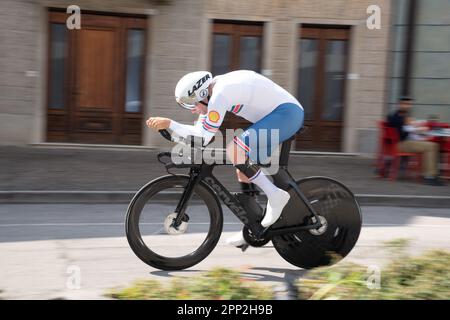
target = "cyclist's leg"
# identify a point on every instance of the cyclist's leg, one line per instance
(268, 133)
(257, 143)
(287, 119)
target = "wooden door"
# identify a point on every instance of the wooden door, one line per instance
(322, 73)
(96, 89)
(103, 67)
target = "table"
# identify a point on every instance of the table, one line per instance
(442, 136)
(438, 133)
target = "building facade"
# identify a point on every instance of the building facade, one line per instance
(99, 83)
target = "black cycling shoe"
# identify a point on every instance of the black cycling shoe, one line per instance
(435, 181)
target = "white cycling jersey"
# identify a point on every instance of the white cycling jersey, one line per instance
(245, 93)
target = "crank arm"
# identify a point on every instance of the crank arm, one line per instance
(280, 231)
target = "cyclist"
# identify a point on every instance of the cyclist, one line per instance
(254, 98)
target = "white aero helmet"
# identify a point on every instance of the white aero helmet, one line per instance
(193, 88)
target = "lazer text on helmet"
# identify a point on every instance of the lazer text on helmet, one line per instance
(198, 84)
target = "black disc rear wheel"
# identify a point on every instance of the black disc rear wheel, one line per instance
(341, 220)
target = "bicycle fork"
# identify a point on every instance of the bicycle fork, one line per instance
(185, 197)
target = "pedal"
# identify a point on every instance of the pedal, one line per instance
(243, 247)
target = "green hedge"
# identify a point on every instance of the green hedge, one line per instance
(217, 284)
(423, 277)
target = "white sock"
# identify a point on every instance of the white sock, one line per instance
(264, 183)
(276, 198)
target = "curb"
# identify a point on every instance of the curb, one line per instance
(66, 196)
(404, 200)
(76, 196)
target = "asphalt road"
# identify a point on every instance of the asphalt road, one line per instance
(78, 251)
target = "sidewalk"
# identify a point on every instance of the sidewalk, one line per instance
(45, 174)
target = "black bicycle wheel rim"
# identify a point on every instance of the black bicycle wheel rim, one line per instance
(169, 263)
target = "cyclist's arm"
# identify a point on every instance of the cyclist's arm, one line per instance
(201, 119)
(206, 126)
(201, 129)
(185, 130)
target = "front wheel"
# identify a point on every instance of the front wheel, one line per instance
(150, 230)
(339, 214)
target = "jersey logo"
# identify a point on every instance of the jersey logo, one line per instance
(237, 108)
(213, 116)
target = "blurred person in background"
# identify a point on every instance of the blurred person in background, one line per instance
(412, 140)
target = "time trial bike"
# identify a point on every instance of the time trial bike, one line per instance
(175, 221)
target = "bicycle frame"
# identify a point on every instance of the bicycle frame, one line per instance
(203, 172)
(249, 218)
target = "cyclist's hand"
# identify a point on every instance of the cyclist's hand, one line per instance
(158, 123)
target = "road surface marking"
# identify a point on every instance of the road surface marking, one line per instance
(200, 223)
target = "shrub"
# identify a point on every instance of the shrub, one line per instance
(423, 277)
(217, 284)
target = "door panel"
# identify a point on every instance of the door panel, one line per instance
(321, 86)
(95, 103)
(96, 70)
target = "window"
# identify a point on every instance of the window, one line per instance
(236, 46)
(135, 56)
(307, 74)
(58, 57)
(221, 53)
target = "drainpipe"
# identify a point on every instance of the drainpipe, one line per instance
(409, 46)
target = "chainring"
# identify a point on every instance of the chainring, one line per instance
(252, 240)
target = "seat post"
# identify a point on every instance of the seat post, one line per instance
(282, 178)
(284, 153)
